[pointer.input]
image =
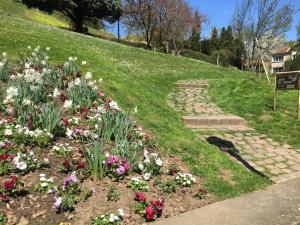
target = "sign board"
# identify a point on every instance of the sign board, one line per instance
(287, 81)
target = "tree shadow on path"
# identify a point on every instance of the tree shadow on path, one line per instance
(229, 147)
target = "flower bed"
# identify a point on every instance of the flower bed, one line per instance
(70, 154)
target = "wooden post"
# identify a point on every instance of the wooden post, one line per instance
(274, 94)
(299, 99)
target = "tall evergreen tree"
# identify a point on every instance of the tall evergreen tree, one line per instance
(223, 39)
(214, 41)
(195, 38)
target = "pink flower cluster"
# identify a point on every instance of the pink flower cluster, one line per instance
(116, 165)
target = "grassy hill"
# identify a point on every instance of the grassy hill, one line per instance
(137, 77)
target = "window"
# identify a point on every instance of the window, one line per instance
(277, 69)
(277, 59)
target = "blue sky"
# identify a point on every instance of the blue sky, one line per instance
(220, 13)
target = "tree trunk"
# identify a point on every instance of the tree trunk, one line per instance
(78, 25)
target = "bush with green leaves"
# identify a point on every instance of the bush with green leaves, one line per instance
(95, 159)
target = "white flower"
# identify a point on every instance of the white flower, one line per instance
(8, 132)
(77, 81)
(114, 105)
(44, 184)
(42, 175)
(68, 104)
(71, 59)
(147, 161)
(121, 212)
(158, 162)
(56, 93)
(100, 80)
(4, 54)
(26, 101)
(69, 133)
(46, 160)
(43, 179)
(48, 49)
(141, 166)
(88, 76)
(83, 63)
(107, 154)
(147, 176)
(1, 65)
(21, 165)
(29, 47)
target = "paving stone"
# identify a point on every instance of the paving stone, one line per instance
(270, 154)
(279, 159)
(281, 165)
(259, 155)
(275, 171)
(269, 161)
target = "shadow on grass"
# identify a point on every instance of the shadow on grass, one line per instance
(229, 147)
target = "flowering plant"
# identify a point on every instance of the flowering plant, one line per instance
(117, 168)
(109, 218)
(61, 150)
(10, 187)
(137, 184)
(201, 193)
(44, 184)
(151, 165)
(185, 179)
(68, 194)
(149, 209)
(5, 163)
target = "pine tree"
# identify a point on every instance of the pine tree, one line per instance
(215, 41)
(195, 38)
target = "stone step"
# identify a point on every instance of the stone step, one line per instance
(192, 85)
(228, 122)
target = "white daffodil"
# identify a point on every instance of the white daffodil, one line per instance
(68, 104)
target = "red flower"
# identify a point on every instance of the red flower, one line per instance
(66, 164)
(202, 191)
(150, 213)
(140, 197)
(4, 156)
(63, 97)
(4, 197)
(81, 165)
(85, 112)
(8, 185)
(158, 205)
(65, 121)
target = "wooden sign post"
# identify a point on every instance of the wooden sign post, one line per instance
(286, 81)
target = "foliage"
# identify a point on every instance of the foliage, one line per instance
(109, 218)
(95, 159)
(112, 194)
(50, 118)
(79, 12)
(4, 68)
(168, 186)
(137, 184)
(185, 179)
(200, 194)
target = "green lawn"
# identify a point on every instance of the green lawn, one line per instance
(136, 77)
(252, 98)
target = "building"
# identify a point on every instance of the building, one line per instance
(279, 58)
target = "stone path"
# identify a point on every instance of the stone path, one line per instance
(257, 152)
(277, 205)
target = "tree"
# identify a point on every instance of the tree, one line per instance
(269, 20)
(196, 33)
(80, 11)
(214, 40)
(141, 16)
